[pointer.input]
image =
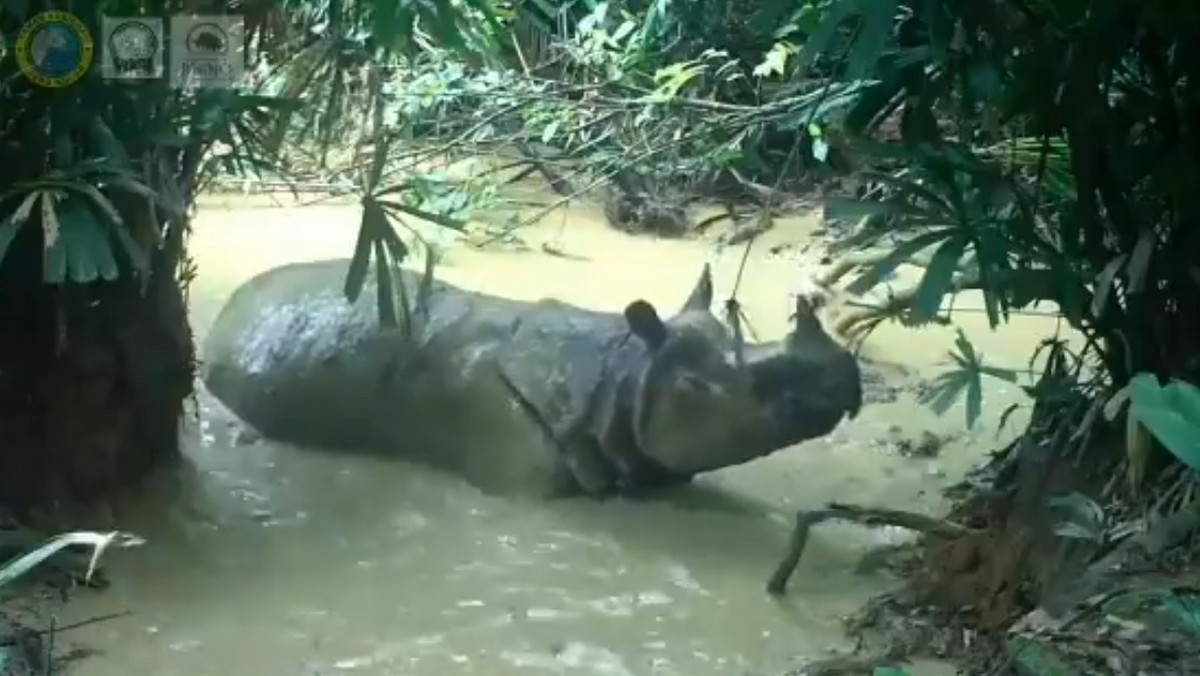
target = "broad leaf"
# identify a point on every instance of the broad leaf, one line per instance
(1171, 413)
(938, 278)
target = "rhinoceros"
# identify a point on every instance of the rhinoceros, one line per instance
(538, 398)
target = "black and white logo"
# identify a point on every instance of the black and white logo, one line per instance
(133, 47)
(207, 38)
(207, 51)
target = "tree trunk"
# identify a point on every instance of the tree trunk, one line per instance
(93, 379)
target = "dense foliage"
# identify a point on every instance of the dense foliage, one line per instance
(1046, 153)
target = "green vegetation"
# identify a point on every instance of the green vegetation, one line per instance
(1038, 151)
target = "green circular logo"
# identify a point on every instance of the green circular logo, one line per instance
(54, 49)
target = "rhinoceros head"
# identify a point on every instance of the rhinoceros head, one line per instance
(696, 409)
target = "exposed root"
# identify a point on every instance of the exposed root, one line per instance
(1137, 554)
(899, 625)
(849, 665)
(867, 516)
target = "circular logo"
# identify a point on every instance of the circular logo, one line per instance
(133, 45)
(207, 38)
(54, 49)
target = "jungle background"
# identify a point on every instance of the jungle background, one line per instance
(1034, 150)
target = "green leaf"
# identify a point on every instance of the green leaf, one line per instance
(1104, 285)
(385, 294)
(1139, 260)
(1082, 509)
(889, 671)
(941, 27)
(22, 213)
(903, 252)
(110, 147)
(768, 16)
(1005, 416)
(1187, 609)
(81, 252)
(873, 35)
(775, 61)
(1184, 398)
(425, 289)
(444, 221)
(938, 278)
(135, 187)
(378, 160)
(54, 256)
(820, 42)
(1171, 414)
(100, 202)
(933, 204)
(8, 232)
(138, 257)
(1078, 531)
(396, 246)
(398, 251)
(356, 274)
(91, 256)
(1008, 375)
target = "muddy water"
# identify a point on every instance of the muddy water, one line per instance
(273, 560)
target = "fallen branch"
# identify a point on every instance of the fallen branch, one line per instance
(867, 516)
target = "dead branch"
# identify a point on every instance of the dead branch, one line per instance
(867, 516)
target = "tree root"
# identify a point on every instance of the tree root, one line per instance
(867, 516)
(1132, 555)
(850, 665)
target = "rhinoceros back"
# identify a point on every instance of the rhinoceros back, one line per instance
(291, 357)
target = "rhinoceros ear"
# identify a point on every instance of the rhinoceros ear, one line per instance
(645, 323)
(701, 297)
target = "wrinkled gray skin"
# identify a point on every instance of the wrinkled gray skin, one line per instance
(537, 398)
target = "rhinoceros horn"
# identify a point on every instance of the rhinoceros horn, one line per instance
(701, 297)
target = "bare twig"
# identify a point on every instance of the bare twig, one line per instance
(83, 623)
